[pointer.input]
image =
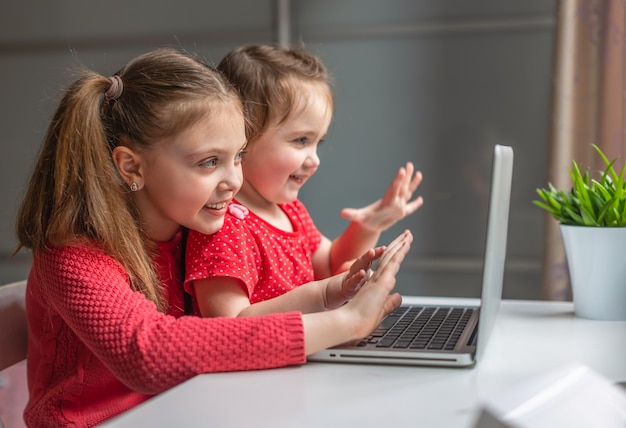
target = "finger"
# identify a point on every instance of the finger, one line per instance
(396, 188)
(391, 303)
(410, 168)
(397, 240)
(412, 182)
(416, 181)
(391, 259)
(352, 214)
(378, 251)
(361, 283)
(366, 259)
(396, 245)
(414, 205)
(352, 284)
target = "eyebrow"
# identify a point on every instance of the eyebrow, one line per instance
(213, 151)
(206, 153)
(300, 131)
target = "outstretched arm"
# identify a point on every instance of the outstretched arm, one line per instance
(226, 296)
(368, 223)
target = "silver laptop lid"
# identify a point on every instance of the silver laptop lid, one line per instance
(495, 247)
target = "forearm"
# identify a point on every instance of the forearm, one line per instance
(147, 350)
(325, 329)
(306, 298)
(353, 242)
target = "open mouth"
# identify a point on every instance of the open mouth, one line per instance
(216, 207)
(297, 178)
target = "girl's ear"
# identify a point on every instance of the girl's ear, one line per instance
(128, 164)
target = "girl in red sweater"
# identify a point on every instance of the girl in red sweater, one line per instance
(128, 162)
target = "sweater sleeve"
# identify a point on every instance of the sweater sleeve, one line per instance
(147, 350)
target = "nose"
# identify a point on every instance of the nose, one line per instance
(232, 178)
(312, 160)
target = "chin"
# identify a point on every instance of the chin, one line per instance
(290, 197)
(209, 229)
(286, 200)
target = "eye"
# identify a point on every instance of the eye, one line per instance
(240, 155)
(209, 163)
(301, 140)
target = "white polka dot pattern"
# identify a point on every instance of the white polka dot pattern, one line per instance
(269, 261)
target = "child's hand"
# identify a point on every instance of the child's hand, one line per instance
(374, 301)
(394, 206)
(340, 292)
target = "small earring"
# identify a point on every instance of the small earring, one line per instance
(134, 187)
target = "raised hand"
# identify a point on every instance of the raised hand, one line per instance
(338, 293)
(394, 206)
(374, 301)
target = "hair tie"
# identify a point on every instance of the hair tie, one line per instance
(115, 90)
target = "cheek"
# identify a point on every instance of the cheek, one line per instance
(168, 184)
(287, 160)
(196, 190)
(174, 189)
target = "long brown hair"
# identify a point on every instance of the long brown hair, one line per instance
(75, 193)
(269, 79)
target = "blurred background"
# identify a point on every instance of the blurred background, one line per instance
(435, 82)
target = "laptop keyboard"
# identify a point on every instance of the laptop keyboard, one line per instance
(418, 327)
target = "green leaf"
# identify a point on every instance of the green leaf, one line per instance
(576, 218)
(599, 190)
(609, 165)
(546, 207)
(589, 218)
(589, 202)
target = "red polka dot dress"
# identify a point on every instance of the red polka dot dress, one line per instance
(268, 261)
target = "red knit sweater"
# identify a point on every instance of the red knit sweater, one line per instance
(96, 348)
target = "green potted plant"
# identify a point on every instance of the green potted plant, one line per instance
(592, 217)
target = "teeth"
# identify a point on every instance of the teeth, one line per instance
(216, 206)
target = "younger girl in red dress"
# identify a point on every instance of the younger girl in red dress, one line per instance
(269, 253)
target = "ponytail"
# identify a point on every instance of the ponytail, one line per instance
(75, 193)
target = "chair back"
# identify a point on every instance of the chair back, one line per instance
(13, 328)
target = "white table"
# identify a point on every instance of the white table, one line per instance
(530, 338)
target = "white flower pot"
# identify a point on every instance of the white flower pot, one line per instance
(596, 257)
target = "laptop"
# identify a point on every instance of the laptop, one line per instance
(445, 335)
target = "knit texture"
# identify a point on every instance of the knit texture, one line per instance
(97, 348)
(268, 261)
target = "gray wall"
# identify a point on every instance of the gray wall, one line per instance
(437, 82)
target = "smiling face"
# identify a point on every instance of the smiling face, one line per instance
(280, 161)
(189, 180)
